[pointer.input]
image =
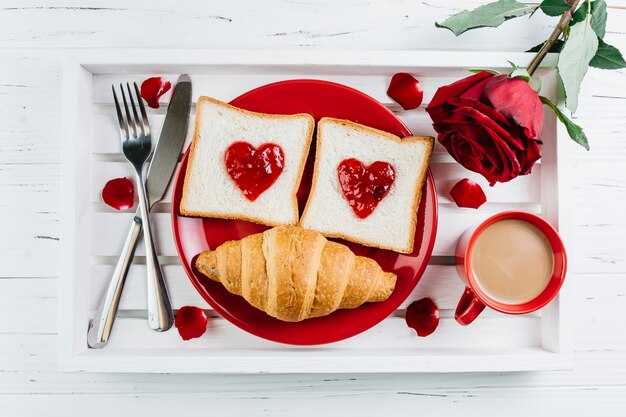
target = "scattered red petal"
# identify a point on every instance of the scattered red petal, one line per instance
(466, 193)
(191, 322)
(406, 90)
(119, 193)
(153, 88)
(422, 316)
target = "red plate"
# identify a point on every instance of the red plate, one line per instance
(194, 235)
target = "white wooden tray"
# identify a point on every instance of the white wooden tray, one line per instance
(93, 232)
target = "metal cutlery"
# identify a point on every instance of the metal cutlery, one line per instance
(162, 166)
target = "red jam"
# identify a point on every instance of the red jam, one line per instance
(119, 193)
(254, 170)
(364, 187)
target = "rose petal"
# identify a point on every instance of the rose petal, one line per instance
(471, 137)
(405, 90)
(466, 193)
(531, 156)
(422, 316)
(473, 156)
(487, 122)
(152, 89)
(456, 89)
(475, 92)
(191, 322)
(514, 98)
(481, 107)
(119, 193)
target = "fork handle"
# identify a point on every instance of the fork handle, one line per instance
(160, 314)
(100, 327)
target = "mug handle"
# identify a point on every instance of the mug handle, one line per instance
(469, 307)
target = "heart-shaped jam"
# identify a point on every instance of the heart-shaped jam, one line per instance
(364, 187)
(254, 170)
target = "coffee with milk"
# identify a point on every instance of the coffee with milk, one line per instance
(512, 261)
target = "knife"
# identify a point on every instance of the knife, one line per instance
(162, 167)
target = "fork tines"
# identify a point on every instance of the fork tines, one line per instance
(130, 127)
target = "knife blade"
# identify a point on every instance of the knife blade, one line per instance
(160, 171)
(171, 140)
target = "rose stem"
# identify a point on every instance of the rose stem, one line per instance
(554, 36)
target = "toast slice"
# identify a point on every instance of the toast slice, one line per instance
(391, 224)
(211, 188)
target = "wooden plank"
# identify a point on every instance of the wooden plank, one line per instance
(32, 249)
(592, 368)
(440, 282)
(525, 189)
(226, 83)
(109, 229)
(25, 306)
(24, 351)
(105, 139)
(279, 361)
(604, 184)
(574, 402)
(244, 25)
(497, 334)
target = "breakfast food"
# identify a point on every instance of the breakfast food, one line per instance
(293, 273)
(366, 185)
(245, 165)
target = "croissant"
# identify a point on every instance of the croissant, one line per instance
(294, 274)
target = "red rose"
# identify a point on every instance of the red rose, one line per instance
(490, 124)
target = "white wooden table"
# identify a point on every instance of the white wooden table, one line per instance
(33, 36)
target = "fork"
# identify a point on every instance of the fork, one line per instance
(137, 147)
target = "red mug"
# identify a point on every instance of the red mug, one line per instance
(474, 300)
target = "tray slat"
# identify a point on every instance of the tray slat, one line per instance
(439, 282)
(526, 189)
(109, 229)
(502, 333)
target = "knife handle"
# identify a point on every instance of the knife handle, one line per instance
(100, 327)
(160, 314)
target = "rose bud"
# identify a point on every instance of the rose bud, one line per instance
(422, 316)
(490, 124)
(466, 193)
(119, 193)
(152, 89)
(405, 90)
(191, 322)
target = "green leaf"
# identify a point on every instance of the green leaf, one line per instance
(520, 73)
(580, 14)
(512, 64)
(607, 57)
(477, 70)
(491, 14)
(579, 49)
(573, 130)
(558, 45)
(598, 16)
(554, 7)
